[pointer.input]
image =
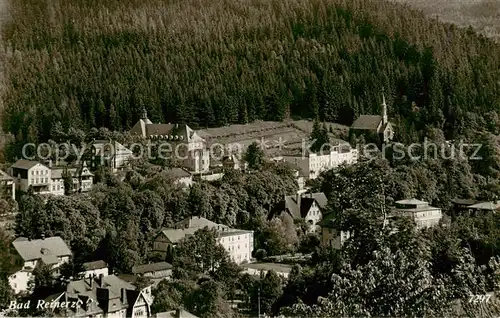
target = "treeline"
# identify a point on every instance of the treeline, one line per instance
(205, 63)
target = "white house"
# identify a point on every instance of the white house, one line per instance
(95, 268)
(187, 146)
(307, 206)
(45, 179)
(34, 174)
(181, 177)
(421, 212)
(51, 251)
(238, 243)
(312, 164)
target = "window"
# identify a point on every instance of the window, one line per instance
(37, 172)
(32, 173)
(238, 246)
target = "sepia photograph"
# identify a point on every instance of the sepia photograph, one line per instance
(249, 158)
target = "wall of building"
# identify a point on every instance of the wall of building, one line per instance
(313, 217)
(19, 281)
(258, 272)
(239, 246)
(97, 272)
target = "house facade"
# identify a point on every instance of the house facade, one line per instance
(111, 154)
(373, 127)
(158, 270)
(95, 268)
(51, 251)
(187, 146)
(8, 185)
(181, 177)
(421, 212)
(312, 164)
(331, 236)
(306, 206)
(238, 243)
(45, 179)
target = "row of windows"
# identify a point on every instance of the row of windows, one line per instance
(42, 172)
(39, 180)
(231, 239)
(232, 248)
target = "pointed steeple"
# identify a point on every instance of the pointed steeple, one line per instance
(384, 109)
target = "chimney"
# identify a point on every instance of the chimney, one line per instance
(43, 236)
(101, 280)
(123, 296)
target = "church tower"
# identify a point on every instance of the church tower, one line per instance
(144, 115)
(384, 109)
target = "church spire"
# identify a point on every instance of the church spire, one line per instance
(384, 109)
(144, 115)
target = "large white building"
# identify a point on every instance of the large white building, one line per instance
(421, 212)
(238, 243)
(187, 146)
(44, 179)
(312, 164)
(51, 251)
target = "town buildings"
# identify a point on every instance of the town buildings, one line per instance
(238, 243)
(187, 146)
(158, 270)
(181, 176)
(473, 207)
(374, 127)
(104, 296)
(51, 251)
(95, 268)
(312, 164)
(45, 179)
(421, 212)
(307, 206)
(110, 154)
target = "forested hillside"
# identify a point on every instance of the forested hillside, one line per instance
(209, 63)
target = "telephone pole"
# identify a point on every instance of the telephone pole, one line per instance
(258, 302)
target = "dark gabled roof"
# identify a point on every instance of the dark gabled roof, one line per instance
(463, 201)
(154, 267)
(25, 164)
(95, 265)
(367, 122)
(298, 207)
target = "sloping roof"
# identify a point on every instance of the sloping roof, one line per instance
(463, 201)
(174, 314)
(189, 226)
(367, 122)
(4, 176)
(292, 205)
(25, 164)
(490, 206)
(154, 267)
(118, 148)
(411, 202)
(178, 173)
(32, 250)
(95, 265)
(321, 199)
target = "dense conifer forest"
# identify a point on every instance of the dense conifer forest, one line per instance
(210, 63)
